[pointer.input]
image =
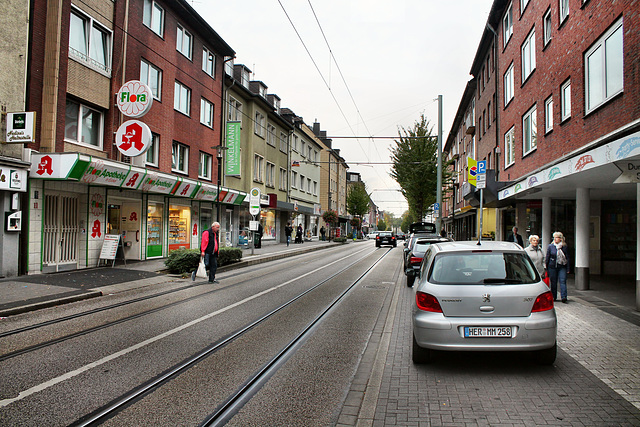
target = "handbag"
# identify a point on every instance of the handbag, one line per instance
(546, 280)
(202, 269)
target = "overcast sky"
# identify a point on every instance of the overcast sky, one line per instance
(396, 57)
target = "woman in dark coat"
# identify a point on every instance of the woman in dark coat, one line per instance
(557, 263)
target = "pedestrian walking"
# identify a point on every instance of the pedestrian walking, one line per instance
(288, 230)
(259, 234)
(557, 263)
(299, 234)
(209, 250)
(515, 237)
(535, 253)
(323, 231)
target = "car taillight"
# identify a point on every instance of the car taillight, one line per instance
(428, 302)
(415, 260)
(377, 237)
(393, 237)
(544, 302)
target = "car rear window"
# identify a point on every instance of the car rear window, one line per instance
(483, 268)
(384, 234)
(421, 246)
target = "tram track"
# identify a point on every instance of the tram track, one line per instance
(231, 404)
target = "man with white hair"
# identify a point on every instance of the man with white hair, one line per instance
(209, 250)
(515, 237)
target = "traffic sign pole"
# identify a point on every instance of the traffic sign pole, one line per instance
(481, 180)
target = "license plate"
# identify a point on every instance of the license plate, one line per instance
(487, 331)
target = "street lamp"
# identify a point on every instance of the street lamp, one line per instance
(219, 149)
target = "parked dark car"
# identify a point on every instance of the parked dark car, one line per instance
(411, 240)
(414, 256)
(386, 238)
(401, 236)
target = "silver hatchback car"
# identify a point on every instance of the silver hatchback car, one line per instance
(486, 297)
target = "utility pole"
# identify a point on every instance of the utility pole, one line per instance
(439, 182)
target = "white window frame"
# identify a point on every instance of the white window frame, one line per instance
(282, 185)
(81, 112)
(153, 17)
(204, 168)
(85, 45)
(151, 158)
(528, 53)
(182, 98)
(309, 185)
(548, 115)
(315, 188)
(271, 135)
(206, 112)
(270, 175)
(147, 71)
(208, 62)
(508, 85)
(523, 6)
(294, 143)
(509, 147)
(301, 188)
(565, 101)
(235, 110)
(547, 24)
(563, 10)
(530, 131)
(258, 168)
(507, 24)
(283, 142)
(608, 77)
(258, 125)
(294, 179)
(179, 158)
(184, 41)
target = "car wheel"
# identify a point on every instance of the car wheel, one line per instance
(547, 356)
(421, 355)
(410, 279)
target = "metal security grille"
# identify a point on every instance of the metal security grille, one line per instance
(60, 230)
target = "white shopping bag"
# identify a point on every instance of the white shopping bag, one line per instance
(202, 271)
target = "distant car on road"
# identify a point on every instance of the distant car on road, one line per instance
(414, 255)
(487, 297)
(386, 238)
(372, 235)
(401, 236)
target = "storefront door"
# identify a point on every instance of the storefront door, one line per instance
(154, 229)
(60, 232)
(130, 226)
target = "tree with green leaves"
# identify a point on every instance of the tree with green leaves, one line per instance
(358, 202)
(415, 167)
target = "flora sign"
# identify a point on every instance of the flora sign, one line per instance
(135, 99)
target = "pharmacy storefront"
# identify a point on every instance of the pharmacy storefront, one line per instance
(76, 201)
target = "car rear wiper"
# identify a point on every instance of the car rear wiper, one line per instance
(498, 280)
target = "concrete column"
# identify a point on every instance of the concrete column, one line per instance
(638, 247)
(582, 238)
(546, 224)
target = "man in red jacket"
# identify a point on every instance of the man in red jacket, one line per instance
(209, 250)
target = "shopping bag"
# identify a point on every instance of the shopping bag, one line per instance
(546, 280)
(202, 270)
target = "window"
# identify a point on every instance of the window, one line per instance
(258, 125)
(294, 179)
(283, 142)
(508, 85)
(294, 143)
(206, 113)
(523, 6)
(153, 17)
(184, 42)
(152, 152)
(235, 110)
(83, 125)
(604, 69)
(529, 131)
(182, 98)
(282, 185)
(509, 147)
(90, 42)
(271, 135)
(152, 77)
(208, 61)
(546, 25)
(315, 188)
(564, 9)
(529, 55)
(271, 175)
(303, 147)
(507, 24)
(301, 183)
(204, 171)
(179, 158)
(548, 115)
(310, 153)
(565, 100)
(309, 185)
(257, 167)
